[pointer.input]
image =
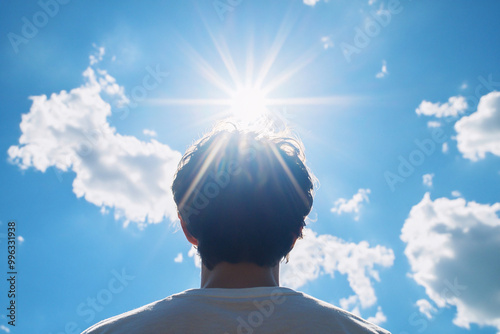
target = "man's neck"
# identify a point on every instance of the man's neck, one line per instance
(240, 275)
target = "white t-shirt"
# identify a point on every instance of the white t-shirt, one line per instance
(258, 310)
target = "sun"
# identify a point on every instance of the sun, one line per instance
(248, 95)
(248, 103)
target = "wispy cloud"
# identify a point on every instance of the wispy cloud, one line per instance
(311, 2)
(425, 307)
(97, 56)
(150, 133)
(427, 179)
(433, 124)
(383, 71)
(327, 42)
(352, 205)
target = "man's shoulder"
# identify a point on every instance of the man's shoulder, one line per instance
(292, 311)
(326, 314)
(135, 319)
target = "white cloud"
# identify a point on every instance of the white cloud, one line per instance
(383, 71)
(433, 124)
(20, 239)
(353, 205)
(456, 105)
(479, 133)
(371, 2)
(452, 247)
(179, 258)
(5, 329)
(456, 193)
(97, 56)
(445, 148)
(349, 302)
(425, 307)
(311, 2)
(70, 131)
(151, 133)
(316, 255)
(193, 252)
(464, 86)
(327, 42)
(427, 179)
(379, 317)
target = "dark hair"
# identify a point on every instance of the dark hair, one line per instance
(244, 194)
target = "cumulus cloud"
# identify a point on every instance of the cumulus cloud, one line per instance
(479, 133)
(70, 131)
(383, 71)
(20, 239)
(178, 258)
(353, 205)
(425, 307)
(379, 317)
(456, 193)
(456, 105)
(452, 247)
(349, 303)
(317, 255)
(427, 179)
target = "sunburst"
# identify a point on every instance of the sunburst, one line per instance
(248, 99)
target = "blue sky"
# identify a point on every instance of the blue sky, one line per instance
(396, 103)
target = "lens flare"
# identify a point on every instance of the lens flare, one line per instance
(248, 103)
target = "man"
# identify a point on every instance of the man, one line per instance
(242, 198)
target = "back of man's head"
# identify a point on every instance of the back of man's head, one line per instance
(244, 195)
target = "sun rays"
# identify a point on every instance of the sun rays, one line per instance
(247, 97)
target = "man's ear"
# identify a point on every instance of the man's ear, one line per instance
(188, 235)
